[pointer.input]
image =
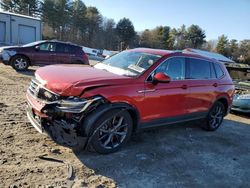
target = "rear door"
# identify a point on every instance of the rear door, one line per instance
(45, 54)
(63, 55)
(163, 100)
(76, 55)
(202, 85)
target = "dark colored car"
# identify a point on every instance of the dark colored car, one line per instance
(42, 53)
(141, 88)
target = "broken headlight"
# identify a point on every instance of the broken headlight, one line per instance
(75, 104)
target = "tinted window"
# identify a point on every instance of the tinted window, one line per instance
(198, 69)
(173, 67)
(61, 48)
(74, 49)
(48, 46)
(219, 72)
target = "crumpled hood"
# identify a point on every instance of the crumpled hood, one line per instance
(72, 80)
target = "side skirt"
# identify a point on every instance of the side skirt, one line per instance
(172, 120)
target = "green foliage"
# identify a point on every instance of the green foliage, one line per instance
(26, 7)
(125, 31)
(223, 45)
(195, 36)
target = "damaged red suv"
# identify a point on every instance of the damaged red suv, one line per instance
(101, 106)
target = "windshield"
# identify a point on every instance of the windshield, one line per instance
(32, 44)
(128, 63)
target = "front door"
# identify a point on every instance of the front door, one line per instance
(45, 54)
(164, 100)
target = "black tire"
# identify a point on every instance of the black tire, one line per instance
(20, 63)
(215, 117)
(111, 131)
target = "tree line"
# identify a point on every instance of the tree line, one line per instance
(72, 20)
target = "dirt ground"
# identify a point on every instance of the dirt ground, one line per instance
(177, 156)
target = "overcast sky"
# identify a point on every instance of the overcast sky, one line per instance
(216, 17)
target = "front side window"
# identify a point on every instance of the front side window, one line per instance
(198, 69)
(48, 46)
(173, 67)
(128, 63)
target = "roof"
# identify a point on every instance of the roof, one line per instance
(153, 51)
(19, 15)
(211, 55)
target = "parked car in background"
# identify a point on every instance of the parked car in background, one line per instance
(43, 53)
(141, 88)
(240, 74)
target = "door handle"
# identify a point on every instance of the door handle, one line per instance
(184, 86)
(215, 84)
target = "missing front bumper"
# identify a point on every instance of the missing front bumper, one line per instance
(59, 131)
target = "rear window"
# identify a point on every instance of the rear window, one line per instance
(198, 69)
(218, 70)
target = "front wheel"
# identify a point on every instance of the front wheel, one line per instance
(20, 63)
(215, 117)
(111, 131)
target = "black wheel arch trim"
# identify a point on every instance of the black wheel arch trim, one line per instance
(91, 118)
(223, 99)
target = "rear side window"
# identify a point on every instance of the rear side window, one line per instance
(218, 70)
(74, 49)
(198, 69)
(61, 48)
(173, 67)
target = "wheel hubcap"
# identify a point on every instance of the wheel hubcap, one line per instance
(113, 132)
(216, 117)
(20, 63)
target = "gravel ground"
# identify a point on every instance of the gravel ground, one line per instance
(176, 156)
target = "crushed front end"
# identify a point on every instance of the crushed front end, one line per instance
(59, 117)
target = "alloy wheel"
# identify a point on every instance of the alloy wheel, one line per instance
(113, 132)
(216, 116)
(20, 63)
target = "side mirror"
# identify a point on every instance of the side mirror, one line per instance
(160, 77)
(37, 48)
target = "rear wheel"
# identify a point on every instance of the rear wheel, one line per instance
(111, 131)
(20, 63)
(215, 117)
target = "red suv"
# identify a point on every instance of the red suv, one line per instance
(102, 106)
(42, 53)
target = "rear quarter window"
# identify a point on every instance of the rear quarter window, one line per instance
(218, 70)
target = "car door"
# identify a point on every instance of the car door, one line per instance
(63, 55)
(202, 85)
(164, 100)
(45, 53)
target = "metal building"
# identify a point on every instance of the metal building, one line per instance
(17, 29)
